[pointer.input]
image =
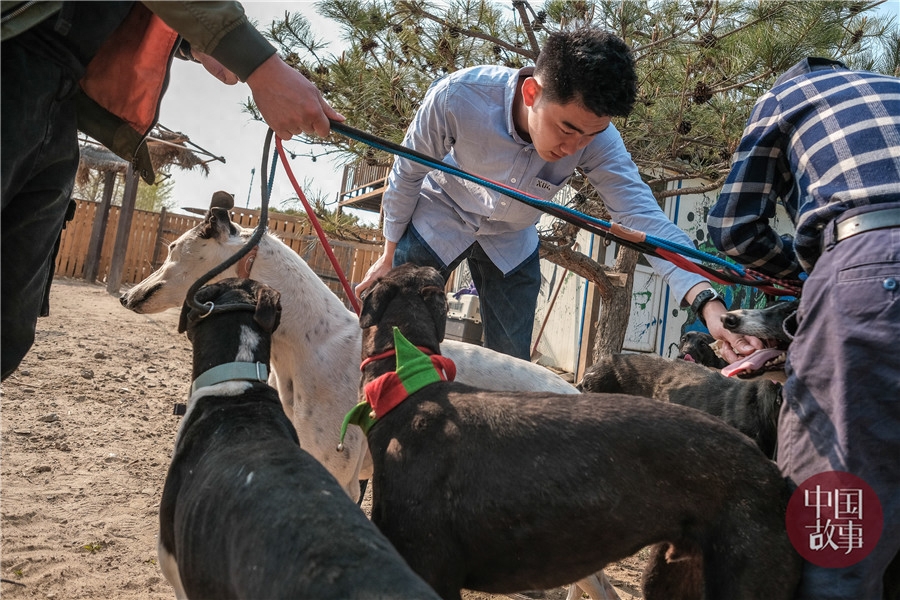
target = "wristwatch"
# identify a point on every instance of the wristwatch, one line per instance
(700, 301)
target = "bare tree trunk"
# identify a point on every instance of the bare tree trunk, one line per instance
(614, 285)
(616, 306)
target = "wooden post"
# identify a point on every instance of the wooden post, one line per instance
(117, 265)
(98, 229)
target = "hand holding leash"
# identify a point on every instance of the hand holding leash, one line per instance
(289, 102)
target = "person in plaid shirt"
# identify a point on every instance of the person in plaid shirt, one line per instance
(825, 142)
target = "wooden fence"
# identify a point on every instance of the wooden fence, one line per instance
(151, 233)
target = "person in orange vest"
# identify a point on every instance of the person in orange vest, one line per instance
(102, 68)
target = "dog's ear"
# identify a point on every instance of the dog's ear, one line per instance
(375, 301)
(183, 318)
(217, 224)
(186, 309)
(268, 308)
(431, 290)
(222, 199)
(204, 294)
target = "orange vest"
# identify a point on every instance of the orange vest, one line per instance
(123, 86)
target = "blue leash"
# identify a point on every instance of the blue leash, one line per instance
(649, 244)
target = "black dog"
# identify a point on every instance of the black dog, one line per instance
(500, 491)
(245, 512)
(751, 407)
(696, 347)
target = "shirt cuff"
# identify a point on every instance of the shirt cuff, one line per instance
(394, 231)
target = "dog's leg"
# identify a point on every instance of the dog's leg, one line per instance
(673, 574)
(169, 566)
(597, 587)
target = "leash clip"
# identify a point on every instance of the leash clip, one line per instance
(212, 307)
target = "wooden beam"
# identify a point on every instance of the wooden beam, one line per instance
(117, 265)
(369, 201)
(98, 228)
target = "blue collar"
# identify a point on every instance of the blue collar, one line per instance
(234, 371)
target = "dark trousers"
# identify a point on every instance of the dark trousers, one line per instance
(842, 396)
(39, 160)
(507, 302)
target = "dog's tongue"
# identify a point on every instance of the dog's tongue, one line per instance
(752, 363)
(689, 358)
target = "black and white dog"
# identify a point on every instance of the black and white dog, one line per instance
(509, 491)
(245, 512)
(774, 325)
(750, 406)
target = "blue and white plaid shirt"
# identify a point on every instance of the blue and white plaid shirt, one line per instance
(821, 144)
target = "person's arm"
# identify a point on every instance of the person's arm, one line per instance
(710, 312)
(630, 201)
(428, 134)
(378, 269)
(739, 222)
(229, 46)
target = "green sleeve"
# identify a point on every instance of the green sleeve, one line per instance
(22, 16)
(220, 29)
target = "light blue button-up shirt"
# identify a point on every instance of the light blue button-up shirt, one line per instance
(466, 120)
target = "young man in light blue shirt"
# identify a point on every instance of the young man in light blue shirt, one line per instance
(529, 129)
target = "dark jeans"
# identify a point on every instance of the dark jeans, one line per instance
(507, 302)
(842, 396)
(39, 160)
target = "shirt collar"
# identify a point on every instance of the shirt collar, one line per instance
(511, 90)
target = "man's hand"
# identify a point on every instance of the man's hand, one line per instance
(731, 345)
(288, 101)
(378, 269)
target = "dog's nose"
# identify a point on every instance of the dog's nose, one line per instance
(730, 322)
(123, 300)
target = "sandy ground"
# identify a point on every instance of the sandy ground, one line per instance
(87, 432)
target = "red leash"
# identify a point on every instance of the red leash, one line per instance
(315, 222)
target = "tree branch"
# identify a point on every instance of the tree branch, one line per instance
(583, 266)
(700, 189)
(520, 6)
(411, 7)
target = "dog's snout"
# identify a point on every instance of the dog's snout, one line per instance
(730, 321)
(123, 300)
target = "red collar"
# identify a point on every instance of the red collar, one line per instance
(387, 391)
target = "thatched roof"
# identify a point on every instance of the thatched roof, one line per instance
(97, 158)
(166, 147)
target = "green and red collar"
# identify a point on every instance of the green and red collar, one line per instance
(416, 368)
